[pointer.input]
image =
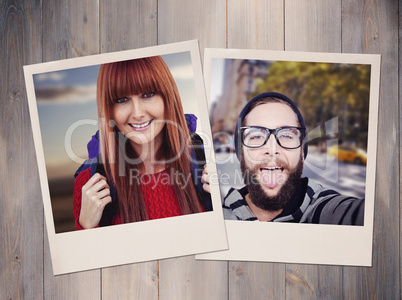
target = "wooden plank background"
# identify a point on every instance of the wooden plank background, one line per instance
(40, 31)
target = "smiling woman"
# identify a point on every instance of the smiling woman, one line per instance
(141, 119)
(146, 167)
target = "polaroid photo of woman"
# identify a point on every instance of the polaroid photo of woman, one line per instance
(122, 140)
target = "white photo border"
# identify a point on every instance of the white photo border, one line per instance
(305, 243)
(133, 242)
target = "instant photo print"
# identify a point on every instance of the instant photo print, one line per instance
(337, 94)
(62, 98)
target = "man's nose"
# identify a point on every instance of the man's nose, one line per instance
(271, 146)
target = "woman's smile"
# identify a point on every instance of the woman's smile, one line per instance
(141, 117)
(140, 127)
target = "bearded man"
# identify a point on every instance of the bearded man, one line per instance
(271, 144)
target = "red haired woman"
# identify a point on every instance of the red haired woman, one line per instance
(147, 167)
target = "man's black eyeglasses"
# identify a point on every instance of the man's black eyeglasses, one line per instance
(287, 137)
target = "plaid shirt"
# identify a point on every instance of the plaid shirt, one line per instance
(311, 203)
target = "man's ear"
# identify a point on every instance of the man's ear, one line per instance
(302, 153)
(304, 149)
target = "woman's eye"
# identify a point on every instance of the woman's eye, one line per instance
(148, 95)
(121, 100)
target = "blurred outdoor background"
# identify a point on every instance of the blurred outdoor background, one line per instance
(333, 99)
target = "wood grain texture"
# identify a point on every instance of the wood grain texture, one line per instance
(313, 26)
(180, 20)
(400, 142)
(256, 24)
(255, 280)
(136, 281)
(185, 278)
(128, 25)
(70, 30)
(373, 29)
(21, 209)
(313, 282)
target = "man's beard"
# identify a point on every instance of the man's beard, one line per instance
(257, 195)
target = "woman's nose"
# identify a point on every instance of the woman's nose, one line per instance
(137, 108)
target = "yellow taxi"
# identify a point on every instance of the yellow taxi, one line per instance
(348, 153)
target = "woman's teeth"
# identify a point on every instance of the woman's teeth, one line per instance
(141, 125)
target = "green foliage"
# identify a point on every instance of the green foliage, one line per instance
(324, 91)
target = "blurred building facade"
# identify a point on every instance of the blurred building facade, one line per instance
(239, 81)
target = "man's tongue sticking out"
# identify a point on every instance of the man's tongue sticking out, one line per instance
(272, 176)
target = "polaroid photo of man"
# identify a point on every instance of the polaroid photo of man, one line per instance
(122, 140)
(295, 141)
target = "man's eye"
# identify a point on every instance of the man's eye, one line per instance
(287, 135)
(121, 100)
(148, 95)
(256, 137)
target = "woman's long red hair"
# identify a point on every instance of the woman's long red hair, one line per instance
(133, 77)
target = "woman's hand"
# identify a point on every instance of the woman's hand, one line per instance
(95, 196)
(205, 180)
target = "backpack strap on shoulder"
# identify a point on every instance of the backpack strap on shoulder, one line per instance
(198, 161)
